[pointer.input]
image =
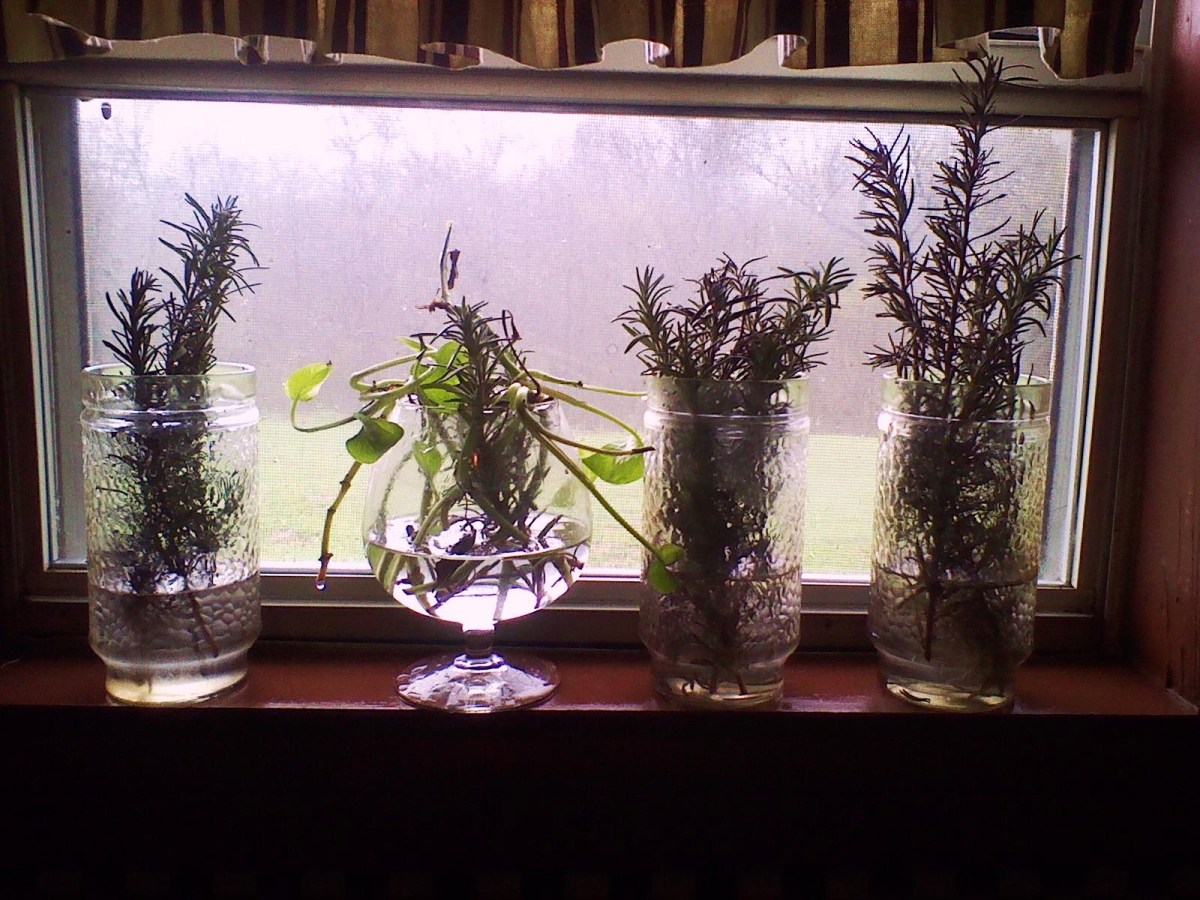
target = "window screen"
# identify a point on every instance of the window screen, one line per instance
(553, 211)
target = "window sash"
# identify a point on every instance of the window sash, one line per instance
(601, 609)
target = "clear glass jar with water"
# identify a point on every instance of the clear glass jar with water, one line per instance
(171, 481)
(726, 483)
(959, 512)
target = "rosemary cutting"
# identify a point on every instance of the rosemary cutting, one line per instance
(733, 328)
(178, 524)
(969, 301)
(965, 302)
(727, 455)
(177, 510)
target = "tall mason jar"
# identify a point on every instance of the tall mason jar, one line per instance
(957, 541)
(726, 482)
(171, 482)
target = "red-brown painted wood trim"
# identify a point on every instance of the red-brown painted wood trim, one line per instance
(64, 673)
(1163, 624)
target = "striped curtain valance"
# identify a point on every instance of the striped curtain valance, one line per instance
(1085, 37)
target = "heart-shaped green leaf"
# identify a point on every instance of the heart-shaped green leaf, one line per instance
(305, 383)
(660, 577)
(446, 353)
(564, 497)
(615, 468)
(670, 554)
(374, 438)
(428, 457)
(436, 376)
(439, 397)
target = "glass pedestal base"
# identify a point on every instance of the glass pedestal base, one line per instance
(461, 683)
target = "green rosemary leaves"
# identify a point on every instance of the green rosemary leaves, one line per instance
(178, 508)
(968, 300)
(733, 328)
(174, 335)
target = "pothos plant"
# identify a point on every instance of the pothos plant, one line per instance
(727, 346)
(176, 509)
(471, 368)
(965, 302)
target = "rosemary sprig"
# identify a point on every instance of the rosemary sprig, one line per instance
(733, 328)
(211, 252)
(177, 510)
(966, 301)
(133, 340)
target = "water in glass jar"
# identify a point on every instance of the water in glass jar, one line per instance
(172, 648)
(478, 590)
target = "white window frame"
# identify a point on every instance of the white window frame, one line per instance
(51, 601)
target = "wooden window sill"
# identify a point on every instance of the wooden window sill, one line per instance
(295, 675)
(315, 763)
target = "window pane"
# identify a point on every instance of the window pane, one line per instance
(553, 212)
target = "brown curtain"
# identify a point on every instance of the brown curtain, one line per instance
(1087, 37)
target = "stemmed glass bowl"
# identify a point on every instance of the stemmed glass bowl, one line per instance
(471, 520)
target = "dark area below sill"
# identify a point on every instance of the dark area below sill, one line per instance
(315, 763)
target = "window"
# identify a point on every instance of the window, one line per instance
(556, 196)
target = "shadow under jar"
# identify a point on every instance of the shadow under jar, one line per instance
(726, 482)
(171, 497)
(472, 520)
(957, 541)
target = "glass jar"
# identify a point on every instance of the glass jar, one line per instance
(726, 483)
(471, 519)
(957, 541)
(171, 480)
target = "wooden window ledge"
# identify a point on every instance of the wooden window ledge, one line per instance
(315, 761)
(288, 675)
